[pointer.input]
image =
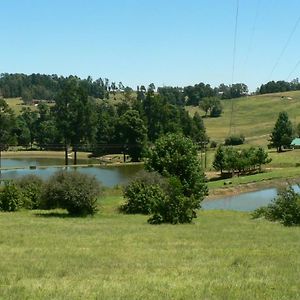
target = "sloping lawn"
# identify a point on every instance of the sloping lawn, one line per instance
(223, 255)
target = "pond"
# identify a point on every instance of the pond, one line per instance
(114, 175)
(109, 176)
(244, 202)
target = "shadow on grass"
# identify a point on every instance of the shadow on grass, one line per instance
(54, 215)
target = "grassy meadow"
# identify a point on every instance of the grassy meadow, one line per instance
(253, 116)
(223, 255)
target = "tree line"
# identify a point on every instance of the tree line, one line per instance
(80, 122)
(279, 86)
(47, 87)
(239, 161)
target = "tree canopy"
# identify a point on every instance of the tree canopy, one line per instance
(282, 134)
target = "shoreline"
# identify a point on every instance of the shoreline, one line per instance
(218, 193)
(214, 193)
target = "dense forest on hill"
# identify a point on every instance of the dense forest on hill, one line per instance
(279, 86)
(47, 87)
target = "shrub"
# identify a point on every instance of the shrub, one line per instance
(31, 187)
(142, 193)
(284, 208)
(213, 144)
(75, 192)
(234, 140)
(10, 197)
(174, 207)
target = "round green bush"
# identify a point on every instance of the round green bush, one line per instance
(143, 192)
(75, 192)
(10, 197)
(31, 187)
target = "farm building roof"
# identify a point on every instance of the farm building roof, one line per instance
(295, 142)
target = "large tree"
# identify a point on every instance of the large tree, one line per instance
(282, 134)
(132, 133)
(176, 156)
(75, 116)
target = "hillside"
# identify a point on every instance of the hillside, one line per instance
(253, 116)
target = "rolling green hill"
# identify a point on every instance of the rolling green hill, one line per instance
(253, 116)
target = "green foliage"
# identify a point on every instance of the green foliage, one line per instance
(211, 105)
(174, 207)
(73, 191)
(219, 162)
(234, 140)
(10, 197)
(279, 86)
(282, 134)
(241, 161)
(143, 192)
(132, 133)
(175, 157)
(285, 208)
(7, 122)
(31, 188)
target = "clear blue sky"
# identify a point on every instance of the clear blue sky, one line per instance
(167, 42)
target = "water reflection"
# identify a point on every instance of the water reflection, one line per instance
(244, 202)
(109, 176)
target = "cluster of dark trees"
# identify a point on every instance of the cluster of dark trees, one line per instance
(282, 133)
(236, 161)
(82, 122)
(47, 87)
(279, 86)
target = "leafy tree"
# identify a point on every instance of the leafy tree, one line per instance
(298, 130)
(211, 105)
(75, 116)
(285, 208)
(282, 134)
(30, 118)
(7, 123)
(176, 156)
(22, 132)
(132, 133)
(198, 133)
(219, 163)
(261, 157)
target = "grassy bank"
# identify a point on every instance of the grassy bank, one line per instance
(253, 116)
(224, 255)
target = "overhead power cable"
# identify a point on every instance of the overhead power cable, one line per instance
(234, 59)
(293, 70)
(253, 31)
(284, 48)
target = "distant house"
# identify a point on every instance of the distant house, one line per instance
(295, 144)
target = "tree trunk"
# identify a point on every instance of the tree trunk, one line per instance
(66, 155)
(75, 155)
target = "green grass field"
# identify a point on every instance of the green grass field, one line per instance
(253, 116)
(223, 255)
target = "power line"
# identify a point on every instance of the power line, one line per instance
(253, 31)
(284, 48)
(293, 70)
(234, 59)
(234, 40)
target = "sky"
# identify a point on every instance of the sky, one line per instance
(167, 42)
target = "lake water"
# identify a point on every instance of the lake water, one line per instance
(109, 176)
(244, 202)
